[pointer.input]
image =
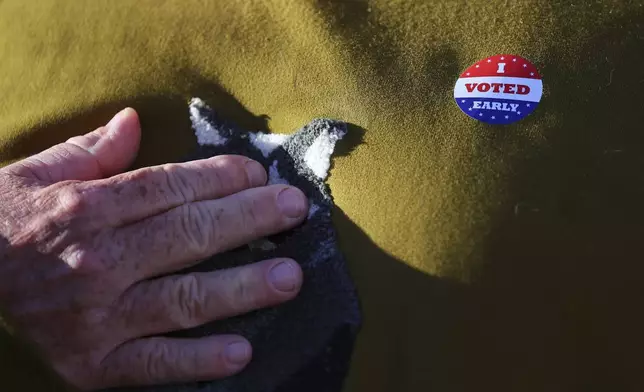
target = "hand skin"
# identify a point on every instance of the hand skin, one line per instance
(83, 246)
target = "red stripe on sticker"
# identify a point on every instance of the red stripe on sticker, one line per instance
(503, 65)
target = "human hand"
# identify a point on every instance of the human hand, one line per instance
(82, 249)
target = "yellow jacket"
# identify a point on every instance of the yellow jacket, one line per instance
(486, 257)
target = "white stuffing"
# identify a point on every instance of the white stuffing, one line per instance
(267, 142)
(318, 155)
(262, 244)
(274, 175)
(206, 133)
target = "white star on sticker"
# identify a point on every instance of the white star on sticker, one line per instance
(506, 117)
(480, 114)
(531, 73)
(470, 109)
(477, 65)
(519, 113)
(468, 74)
(514, 60)
(527, 104)
(502, 58)
(493, 118)
(525, 65)
(489, 61)
(463, 101)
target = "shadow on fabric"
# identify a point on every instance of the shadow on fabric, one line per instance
(556, 304)
(389, 290)
(167, 137)
(166, 130)
(559, 298)
(410, 338)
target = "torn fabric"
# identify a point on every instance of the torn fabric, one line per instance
(305, 344)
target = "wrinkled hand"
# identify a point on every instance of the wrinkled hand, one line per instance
(82, 248)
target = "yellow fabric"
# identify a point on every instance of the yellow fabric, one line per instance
(486, 257)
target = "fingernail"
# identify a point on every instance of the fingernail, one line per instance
(238, 353)
(283, 276)
(291, 202)
(256, 173)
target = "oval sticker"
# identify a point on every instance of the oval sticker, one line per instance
(500, 89)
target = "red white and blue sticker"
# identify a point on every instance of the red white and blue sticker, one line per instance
(500, 89)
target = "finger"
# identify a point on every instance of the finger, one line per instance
(153, 361)
(98, 154)
(185, 301)
(178, 238)
(135, 195)
(88, 140)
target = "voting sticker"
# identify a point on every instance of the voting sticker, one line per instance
(500, 89)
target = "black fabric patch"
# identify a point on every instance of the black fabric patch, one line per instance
(305, 344)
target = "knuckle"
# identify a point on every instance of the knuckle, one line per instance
(195, 227)
(71, 201)
(243, 295)
(191, 300)
(250, 214)
(95, 318)
(85, 261)
(156, 358)
(230, 174)
(178, 183)
(217, 177)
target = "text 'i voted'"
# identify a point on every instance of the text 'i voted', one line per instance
(500, 89)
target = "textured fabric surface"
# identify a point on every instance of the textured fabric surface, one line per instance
(485, 257)
(314, 333)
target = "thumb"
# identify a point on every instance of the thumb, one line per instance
(102, 153)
